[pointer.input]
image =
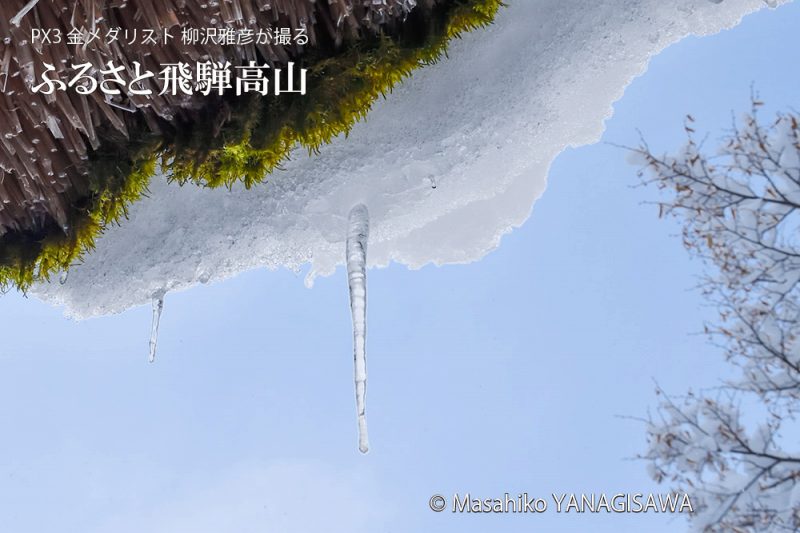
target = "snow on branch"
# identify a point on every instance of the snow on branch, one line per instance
(738, 209)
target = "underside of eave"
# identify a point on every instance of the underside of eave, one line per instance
(70, 164)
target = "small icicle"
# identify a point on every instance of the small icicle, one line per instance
(158, 306)
(62, 278)
(356, 250)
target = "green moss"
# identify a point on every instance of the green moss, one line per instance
(254, 141)
(25, 259)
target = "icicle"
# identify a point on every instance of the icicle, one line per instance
(62, 278)
(356, 250)
(158, 306)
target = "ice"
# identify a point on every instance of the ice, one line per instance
(485, 123)
(158, 307)
(356, 257)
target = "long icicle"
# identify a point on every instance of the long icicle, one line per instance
(357, 235)
(158, 306)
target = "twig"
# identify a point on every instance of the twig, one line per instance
(15, 20)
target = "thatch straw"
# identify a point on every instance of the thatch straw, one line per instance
(70, 163)
(44, 139)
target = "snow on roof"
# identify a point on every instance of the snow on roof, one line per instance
(454, 158)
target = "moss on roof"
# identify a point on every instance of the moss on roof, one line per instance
(255, 138)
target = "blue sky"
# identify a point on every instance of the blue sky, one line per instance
(511, 374)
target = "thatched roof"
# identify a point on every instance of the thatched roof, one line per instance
(68, 160)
